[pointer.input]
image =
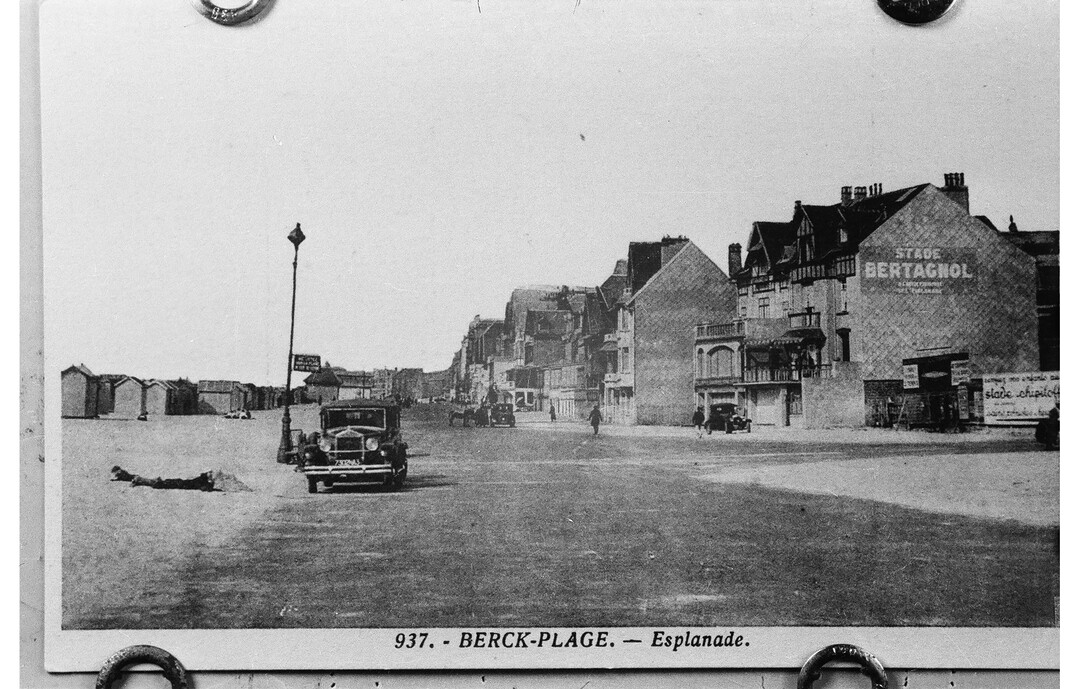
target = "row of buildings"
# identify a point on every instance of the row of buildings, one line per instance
(880, 307)
(331, 383)
(86, 395)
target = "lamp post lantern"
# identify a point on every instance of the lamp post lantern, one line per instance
(296, 237)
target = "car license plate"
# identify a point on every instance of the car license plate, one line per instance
(348, 462)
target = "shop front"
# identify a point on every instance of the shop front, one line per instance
(940, 393)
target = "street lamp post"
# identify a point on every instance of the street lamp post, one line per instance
(296, 237)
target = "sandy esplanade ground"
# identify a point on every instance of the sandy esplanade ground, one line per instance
(1021, 486)
(111, 526)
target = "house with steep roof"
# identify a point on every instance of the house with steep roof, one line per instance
(833, 301)
(670, 286)
(78, 393)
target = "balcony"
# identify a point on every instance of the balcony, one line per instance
(617, 379)
(804, 319)
(716, 381)
(809, 273)
(842, 266)
(785, 375)
(732, 329)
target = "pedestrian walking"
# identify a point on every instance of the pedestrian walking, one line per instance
(699, 421)
(595, 419)
(552, 411)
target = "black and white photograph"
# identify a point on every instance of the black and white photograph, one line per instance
(572, 333)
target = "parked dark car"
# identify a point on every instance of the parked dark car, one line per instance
(725, 417)
(502, 415)
(360, 443)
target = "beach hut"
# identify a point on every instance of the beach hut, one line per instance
(78, 393)
(160, 397)
(129, 397)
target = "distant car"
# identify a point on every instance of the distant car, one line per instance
(238, 414)
(360, 442)
(502, 415)
(726, 417)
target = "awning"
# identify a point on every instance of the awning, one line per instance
(798, 336)
(806, 334)
(609, 346)
(774, 342)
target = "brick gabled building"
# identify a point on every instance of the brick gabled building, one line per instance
(670, 286)
(833, 301)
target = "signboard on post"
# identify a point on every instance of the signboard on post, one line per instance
(308, 363)
(1019, 398)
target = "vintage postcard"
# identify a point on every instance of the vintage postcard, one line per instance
(506, 334)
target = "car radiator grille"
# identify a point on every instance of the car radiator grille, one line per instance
(350, 444)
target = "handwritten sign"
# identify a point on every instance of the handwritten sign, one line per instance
(1019, 398)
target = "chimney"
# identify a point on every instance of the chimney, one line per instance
(669, 246)
(845, 196)
(956, 190)
(860, 193)
(1012, 225)
(734, 258)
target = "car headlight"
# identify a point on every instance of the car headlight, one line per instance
(372, 443)
(324, 444)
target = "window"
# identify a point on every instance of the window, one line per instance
(742, 310)
(721, 363)
(763, 307)
(843, 298)
(845, 344)
(701, 363)
(624, 360)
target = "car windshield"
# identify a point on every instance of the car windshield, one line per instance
(372, 418)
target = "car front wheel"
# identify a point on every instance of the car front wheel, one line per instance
(312, 485)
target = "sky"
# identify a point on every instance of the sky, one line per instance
(438, 154)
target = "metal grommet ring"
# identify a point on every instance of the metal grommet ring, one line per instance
(133, 655)
(231, 16)
(870, 666)
(915, 12)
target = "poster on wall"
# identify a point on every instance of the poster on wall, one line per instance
(1019, 398)
(917, 270)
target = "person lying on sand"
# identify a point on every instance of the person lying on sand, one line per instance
(204, 481)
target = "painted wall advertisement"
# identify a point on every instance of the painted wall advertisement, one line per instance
(1019, 398)
(917, 269)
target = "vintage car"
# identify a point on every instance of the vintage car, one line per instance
(238, 414)
(502, 415)
(726, 417)
(360, 442)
